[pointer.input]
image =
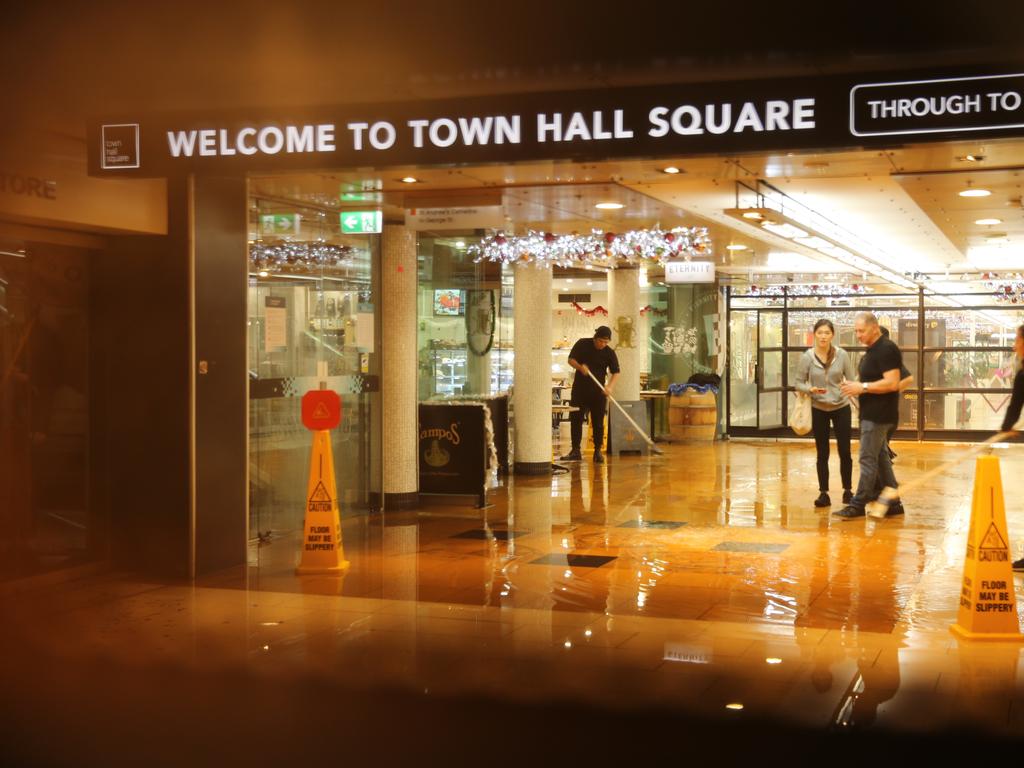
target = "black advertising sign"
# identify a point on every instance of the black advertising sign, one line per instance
(452, 449)
(918, 107)
(671, 120)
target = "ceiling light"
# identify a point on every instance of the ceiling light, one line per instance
(971, 158)
(670, 169)
(773, 660)
(409, 180)
(263, 273)
(736, 247)
(460, 244)
(734, 706)
(609, 206)
(756, 215)
(988, 222)
(568, 279)
(975, 192)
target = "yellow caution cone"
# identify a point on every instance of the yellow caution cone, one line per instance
(322, 550)
(988, 607)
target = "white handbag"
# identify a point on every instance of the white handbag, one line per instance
(800, 417)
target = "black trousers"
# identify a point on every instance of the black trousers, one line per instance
(595, 405)
(839, 420)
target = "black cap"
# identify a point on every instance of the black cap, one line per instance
(603, 332)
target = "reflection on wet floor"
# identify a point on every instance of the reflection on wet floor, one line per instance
(703, 581)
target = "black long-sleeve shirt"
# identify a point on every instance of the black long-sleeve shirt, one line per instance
(1016, 402)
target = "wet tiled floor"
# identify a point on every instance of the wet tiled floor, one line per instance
(701, 581)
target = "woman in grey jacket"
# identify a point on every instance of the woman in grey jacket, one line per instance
(821, 371)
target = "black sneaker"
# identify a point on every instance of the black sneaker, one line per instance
(896, 508)
(598, 457)
(847, 496)
(823, 500)
(1018, 565)
(573, 455)
(850, 511)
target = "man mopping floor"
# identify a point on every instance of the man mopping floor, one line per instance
(591, 357)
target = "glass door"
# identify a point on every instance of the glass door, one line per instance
(771, 385)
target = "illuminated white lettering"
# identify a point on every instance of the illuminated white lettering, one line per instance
(382, 135)
(245, 149)
(357, 134)
(417, 131)
(325, 137)
(225, 147)
(299, 138)
(270, 140)
(451, 132)
(508, 130)
(181, 143)
(554, 127)
(577, 128)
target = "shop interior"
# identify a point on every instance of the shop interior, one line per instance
(929, 237)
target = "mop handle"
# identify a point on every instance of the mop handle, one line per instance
(916, 482)
(621, 409)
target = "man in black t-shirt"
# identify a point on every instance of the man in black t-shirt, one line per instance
(591, 356)
(878, 391)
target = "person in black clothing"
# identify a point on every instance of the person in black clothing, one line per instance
(878, 391)
(1016, 403)
(906, 379)
(591, 356)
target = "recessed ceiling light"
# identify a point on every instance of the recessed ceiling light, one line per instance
(264, 273)
(670, 169)
(736, 247)
(568, 279)
(609, 206)
(971, 158)
(757, 215)
(988, 222)
(975, 192)
(734, 706)
(409, 180)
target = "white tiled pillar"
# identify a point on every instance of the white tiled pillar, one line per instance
(398, 368)
(532, 370)
(624, 319)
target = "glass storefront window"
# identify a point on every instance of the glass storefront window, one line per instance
(464, 321)
(312, 318)
(44, 409)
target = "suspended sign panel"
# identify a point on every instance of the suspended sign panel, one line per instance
(689, 272)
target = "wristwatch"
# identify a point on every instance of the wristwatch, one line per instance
(865, 385)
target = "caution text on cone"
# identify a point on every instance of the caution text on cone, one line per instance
(988, 607)
(322, 550)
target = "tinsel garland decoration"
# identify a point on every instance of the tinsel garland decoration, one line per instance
(806, 290)
(598, 310)
(652, 310)
(597, 248)
(1005, 287)
(285, 255)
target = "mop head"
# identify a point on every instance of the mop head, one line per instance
(655, 449)
(880, 506)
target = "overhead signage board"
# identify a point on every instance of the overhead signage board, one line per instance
(456, 217)
(361, 222)
(677, 272)
(937, 106)
(666, 120)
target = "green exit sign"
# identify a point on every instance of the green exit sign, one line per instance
(280, 223)
(361, 222)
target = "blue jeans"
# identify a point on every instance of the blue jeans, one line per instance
(875, 464)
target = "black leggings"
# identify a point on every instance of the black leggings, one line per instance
(840, 421)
